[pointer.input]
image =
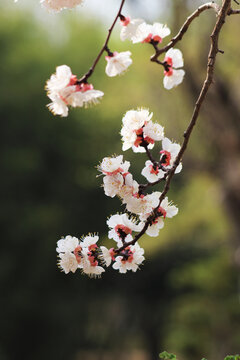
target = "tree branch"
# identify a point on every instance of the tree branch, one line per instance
(223, 12)
(104, 47)
(184, 28)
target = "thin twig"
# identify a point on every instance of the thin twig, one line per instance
(184, 28)
(233, 12)
(208, 81)
(104, 47)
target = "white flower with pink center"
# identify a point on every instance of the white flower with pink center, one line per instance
(58, 5)
(122, 227)
(173, 77)
(91, 255)
(129, 187)
(151, 33)
(166, 209)
(142, 204)
(152, 173)
(132, 131)
(107, 255)
(118, 63)
(129, 27)
(153, 132)
(69, 250)
(169, 153)
(130, 259)
(113, 165)
(64, 90)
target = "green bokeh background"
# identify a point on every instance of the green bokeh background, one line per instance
(185, 299)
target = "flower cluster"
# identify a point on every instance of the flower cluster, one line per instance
(65, 90)
(87, 256)
(145, 213)
(138, 31)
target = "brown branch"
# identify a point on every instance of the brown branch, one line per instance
(205, 87)
(233, 12)
(184, 28)
(85, 77)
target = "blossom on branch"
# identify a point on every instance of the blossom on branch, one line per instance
(117, 63)
(122, 227)
(150, 33)
(139, 131)
(169, 153)
(64, 90)
(166, 209)
(130, 259)
(173, 77)
(152, 172)
(129, 27)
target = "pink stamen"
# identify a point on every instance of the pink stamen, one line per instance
(77, 253)
(162, 212)
(92, 247)
(149, 140)
(154, 171)
(138, 141)
(125, 229)
(167, 159)
(115, 172)
(139, 131)
(126, 21)
(112, 253)
(147, 39)
(157, 38)
(73, 80)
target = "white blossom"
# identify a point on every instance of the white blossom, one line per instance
(129, 28)
(64, 90)
(113, 165)
(142, 204)
(153, 131)
(106, 255)
(58, 5)
(173, 77)
(148, 33)
(121, 228)
(68, 262)
(166, 209)
(152, 173)
(130, 260)
(169, 153)
(118, 63)
(113, 184)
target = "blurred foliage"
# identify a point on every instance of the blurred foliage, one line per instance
(185, 298)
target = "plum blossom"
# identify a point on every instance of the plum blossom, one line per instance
(122, 227)
(118, 63)
(68, 262)
(129, 27)
(150, 33)
(142, 204)
(152, 173)
(166, 209)
(58, 5)
(113, 165)
(169, 153)
(90, 253)
(69, 253)
(64, 90)
(130, 259)
(138, 131)
(173, 77)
